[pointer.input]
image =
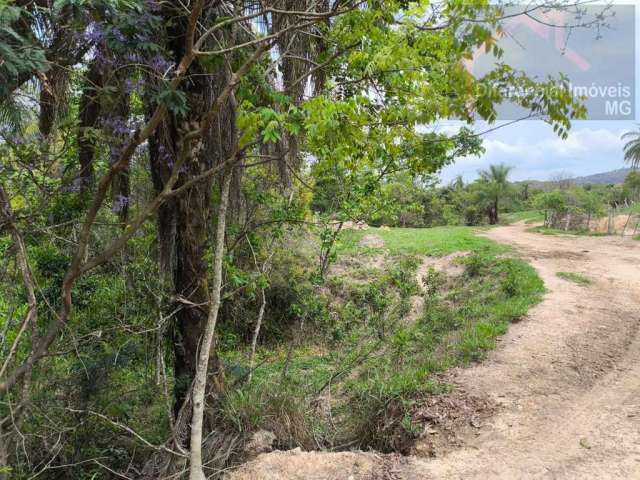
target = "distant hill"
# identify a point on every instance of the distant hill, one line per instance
(605, 178)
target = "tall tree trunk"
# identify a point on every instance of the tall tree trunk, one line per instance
(47, 103)
(207, 348)
(184, 223)
(493, 213)
(190, 284)
(89, 111)
(117, 128)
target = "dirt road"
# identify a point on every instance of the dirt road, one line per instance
(566, 378)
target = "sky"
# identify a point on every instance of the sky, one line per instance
(536, 153)
(593, 145)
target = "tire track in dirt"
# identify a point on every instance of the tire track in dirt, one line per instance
(567, 376)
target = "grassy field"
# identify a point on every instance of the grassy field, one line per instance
(529, 216)
(420, 241)
(356, 370)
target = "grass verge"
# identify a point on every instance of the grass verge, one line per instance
(559, 231)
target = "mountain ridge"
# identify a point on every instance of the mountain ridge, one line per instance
(614, 177)
(603, 178)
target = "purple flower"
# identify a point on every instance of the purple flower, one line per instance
(117, 126)
(94, 32)
(134, 57)
(103, 58)
(133, 85)
(161, 64)
(153, 5)
(165, 155)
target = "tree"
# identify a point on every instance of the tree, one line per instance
(193, 132)
(496, 183)
(632, 148)
(562, 180)
(553, 203)
(632, 184)
(525, 191)
(591, 203)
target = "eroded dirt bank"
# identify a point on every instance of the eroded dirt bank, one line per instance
(566, 380)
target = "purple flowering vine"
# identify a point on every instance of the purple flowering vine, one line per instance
(160, 64)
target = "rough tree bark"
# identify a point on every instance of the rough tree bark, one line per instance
(88, 115)
(184, 223)
(493, 213)
(118, 112)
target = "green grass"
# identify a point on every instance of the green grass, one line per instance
(529, 216)
(461, 321)
(575, 278)
(635, 208)
(421, 241)
(558, 231)
(360, 371)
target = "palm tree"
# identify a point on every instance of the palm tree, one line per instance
(632, 148)
(496, 180)
(457, 183)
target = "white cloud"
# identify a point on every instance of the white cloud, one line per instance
(537, 153)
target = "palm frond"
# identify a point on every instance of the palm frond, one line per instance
(632, 148)
(11, 114)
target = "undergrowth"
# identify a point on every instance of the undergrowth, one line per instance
(355, 373)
